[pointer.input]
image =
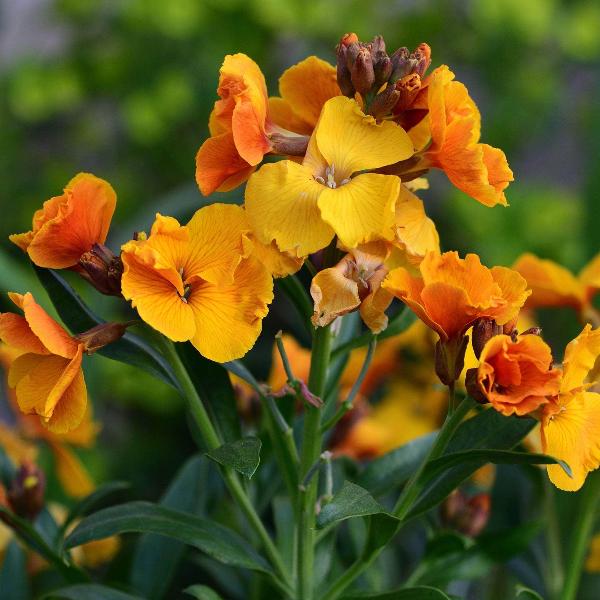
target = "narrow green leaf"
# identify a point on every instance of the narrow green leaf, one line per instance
(214, 387)
(14, 583)
(130, 349)
(89, 591)
(239, 368)
(351, 501)
(421, 592)
(156, 557)
(394, 468)
(525, 593)
(202, 592)
(242, 455)
(217, 541)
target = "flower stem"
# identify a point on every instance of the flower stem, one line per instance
(211, 439)
(554, 568)
(311, 449)
(580, 536)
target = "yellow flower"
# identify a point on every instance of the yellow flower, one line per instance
(571, 421)
(197, 282)
(302, 206)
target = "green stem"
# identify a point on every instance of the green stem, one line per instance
(211, 439)
(311, 449)
(581, 535)
(299, 297)
(554, 568)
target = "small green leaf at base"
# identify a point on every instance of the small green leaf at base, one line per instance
(202, 592)
(421, 592)
(242, 455)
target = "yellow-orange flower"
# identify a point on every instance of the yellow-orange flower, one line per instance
(197, 282)
(451, 292)
(517, 376)
(553, 285)
(302, 206)
(47, 375)
(69, 225)
(571, 421)
(354, 283)
(479, 170)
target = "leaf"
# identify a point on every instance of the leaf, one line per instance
(89, 591)
(156, 557)
(242, 455)
(394, 468)
(239, 368)
(525, 593)
(77, 316)
(421, 592)
(217, 541)
(214, 388)
(13, 574)
(351, 501)
(202, 592)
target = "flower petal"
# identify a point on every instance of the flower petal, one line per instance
(580, 357)
(71, 473)
(15, 331)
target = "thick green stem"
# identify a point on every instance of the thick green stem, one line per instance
(554, 567)
(211, 439)
(581, 535)
(311, 450)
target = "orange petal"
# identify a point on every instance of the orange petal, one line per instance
(580, 357)
(373, 307)
(71, 473)
(15, 331)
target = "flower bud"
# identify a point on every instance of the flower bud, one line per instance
(344, 78)
(472, 387)
(100, 267)
(289, 145)
(384, 102)
(467, 515)
(423, 56)
(97, 337)
(26, 494)
(362, 74)
(408, 87)
(483, 330)
(450, 359)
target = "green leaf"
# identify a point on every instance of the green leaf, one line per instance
(217, 541)
(394, 468)
(14, 582)
(214, 388)
(242, 455)
(89, 591)
(202, 592)
(77, 316)
(525, 593)
(351, 501)
(421, 592)
(156, 557)
(239, 368)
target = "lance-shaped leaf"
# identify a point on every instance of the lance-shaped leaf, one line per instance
(421, 592)
(217, 541)
(242, 455)
(14, 583)
(89, 591)
(202, 592)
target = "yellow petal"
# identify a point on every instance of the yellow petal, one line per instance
(283, 115)
(15, 331)
(229, 316)
(373, 307)
(352, 141)
(361, 210)
(581, 355)
(71, 473)
(281, 204)
(15, 447)
(590, 276)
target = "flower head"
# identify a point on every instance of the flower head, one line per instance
(302, 206)
(68, 226)
(197, 282)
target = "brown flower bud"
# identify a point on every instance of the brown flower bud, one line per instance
(362, 74)
(450, 359)
(382, 67)
(483, 330)
(26, 493)
(467, 515)
(472, 386)
(100, 267)
(377, 46)
(344, 78)
(408, 87)
(423, 56)
(97, 337)
(290, 145)
(532, 331)
(384, 102)
(400, 64)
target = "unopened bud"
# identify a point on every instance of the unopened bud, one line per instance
(343, 66)
(362, 74)
(408, 87)
(450, 359)
(473, 388)
(532, 331)
(467, 515)
(483, 330)
(97, 337)
(400, 65)
(26, 494)
(423, 57)
(382, 67)
(289, 145)
(100, 267)
(378, 45)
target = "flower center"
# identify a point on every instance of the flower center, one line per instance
(187, 288)
(329, 179)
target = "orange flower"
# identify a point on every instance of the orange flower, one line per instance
(452, 292)
(479, 170)
(47, 375)
(67, 226)
(197, 282)
(517, 376)
(553, 285)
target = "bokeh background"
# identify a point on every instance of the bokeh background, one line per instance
(123, 89)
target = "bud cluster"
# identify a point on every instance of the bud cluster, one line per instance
(102, 269)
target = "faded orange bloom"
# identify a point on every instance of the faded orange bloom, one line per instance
(479, 170)
(354, 283)
(69, 225)
(553, 285)
(517, 376)
(47, 375)
(197, 282)
(451, 292)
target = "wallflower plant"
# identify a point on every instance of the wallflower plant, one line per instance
(371, 420)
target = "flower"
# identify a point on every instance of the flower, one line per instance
(553, 285)
(68, 226)
(479, 170)
(516, 376)
(354, 283)
(47, 374)
(571, 420)
(452, 292)
(302, 206)
(197, 282)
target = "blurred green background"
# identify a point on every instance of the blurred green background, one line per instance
(123, 89)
